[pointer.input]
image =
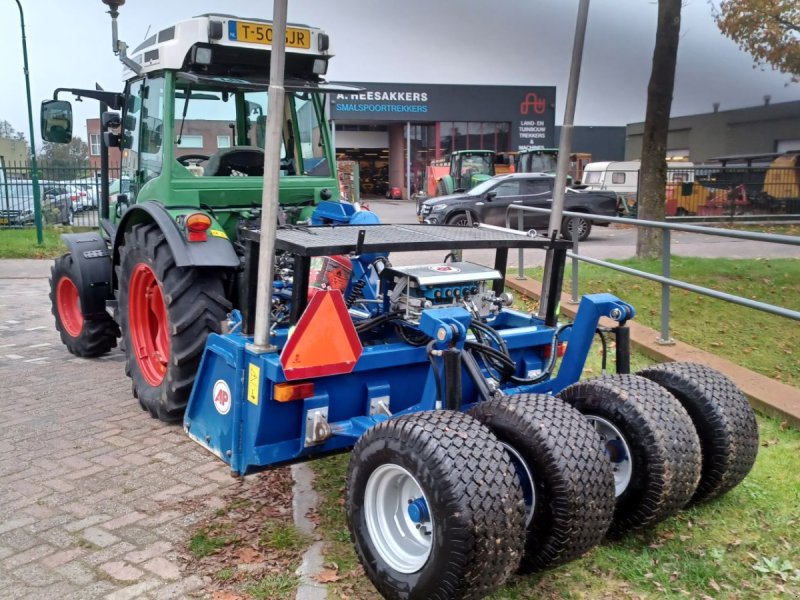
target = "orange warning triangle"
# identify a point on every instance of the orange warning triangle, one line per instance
(325, 342)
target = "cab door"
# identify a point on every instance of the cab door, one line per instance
(496, 201)
(537, 193)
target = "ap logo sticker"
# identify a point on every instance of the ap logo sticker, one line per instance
(222, 397)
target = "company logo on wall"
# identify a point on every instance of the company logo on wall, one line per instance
(382, 102)
(532, 133)
(534, 103)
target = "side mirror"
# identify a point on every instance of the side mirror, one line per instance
(491, 195)
(57, 121)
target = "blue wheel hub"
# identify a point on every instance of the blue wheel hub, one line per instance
(418, 511)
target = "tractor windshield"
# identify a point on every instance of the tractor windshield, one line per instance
(536, 162)
(221, 131)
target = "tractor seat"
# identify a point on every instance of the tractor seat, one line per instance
(244, 160)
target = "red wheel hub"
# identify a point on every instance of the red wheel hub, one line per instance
(148, 324)
(69, 306)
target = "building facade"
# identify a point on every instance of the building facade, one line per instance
(769, 128)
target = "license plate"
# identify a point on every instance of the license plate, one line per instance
(261, 33)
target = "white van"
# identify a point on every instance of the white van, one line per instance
(622, 177)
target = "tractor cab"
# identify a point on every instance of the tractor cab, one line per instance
(192, 118)
(543, 160)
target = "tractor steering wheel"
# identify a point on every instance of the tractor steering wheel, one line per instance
(184, 160)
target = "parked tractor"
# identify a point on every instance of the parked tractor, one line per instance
(465, 170)
(476, 449)
(190, 127)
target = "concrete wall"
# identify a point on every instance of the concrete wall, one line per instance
(13, 151)
(751, 130)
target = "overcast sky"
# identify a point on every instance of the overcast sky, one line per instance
(501, 42)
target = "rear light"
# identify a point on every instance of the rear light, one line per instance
(197, 224)
(561, 349)
(286, 392)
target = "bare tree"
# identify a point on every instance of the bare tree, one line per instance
(653, 173)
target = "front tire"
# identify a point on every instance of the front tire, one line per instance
(570, 500)
(651, 441)
(434, 507)
(166, 313)
(460, 220)
(86, 336)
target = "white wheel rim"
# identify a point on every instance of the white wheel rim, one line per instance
(525, 477)
(618, 451)
(402, 541)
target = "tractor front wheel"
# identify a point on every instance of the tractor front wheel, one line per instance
(166, 313)
(434, 507)
(566, 478)
(86, 336)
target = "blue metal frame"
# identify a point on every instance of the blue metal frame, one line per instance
(259, 432)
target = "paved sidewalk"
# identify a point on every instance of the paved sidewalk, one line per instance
(89, 483)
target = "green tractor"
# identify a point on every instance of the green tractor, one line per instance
(165, 267)
(542, 160)
(467, 168)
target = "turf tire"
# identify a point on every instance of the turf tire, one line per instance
(725, 422)
(664, 447)
(95, 335)
(474, 498)
(572, 479)
(195, 306)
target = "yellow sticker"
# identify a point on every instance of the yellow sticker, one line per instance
(217, 233)
(253, 380)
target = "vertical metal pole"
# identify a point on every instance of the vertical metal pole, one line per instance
(408, 160)
(37, 202)
(564, 149)
(575, 235)
(665, 272)
(272, 163)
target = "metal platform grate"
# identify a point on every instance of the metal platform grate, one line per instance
(315, 241)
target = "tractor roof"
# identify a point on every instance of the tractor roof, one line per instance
(218, 44)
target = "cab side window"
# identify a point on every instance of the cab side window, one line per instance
(507, 188)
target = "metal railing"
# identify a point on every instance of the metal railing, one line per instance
(664, 278)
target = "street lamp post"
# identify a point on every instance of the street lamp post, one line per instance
(37, 203)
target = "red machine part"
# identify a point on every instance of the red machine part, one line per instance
(329, 273)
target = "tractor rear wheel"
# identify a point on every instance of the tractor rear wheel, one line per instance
(651, 441)
(566, 478)
(723, 418)
(166, 313)
(85, 336)
(434, 507)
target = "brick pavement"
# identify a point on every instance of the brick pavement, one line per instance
(89, 483)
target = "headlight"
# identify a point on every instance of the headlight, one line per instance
(437, 207)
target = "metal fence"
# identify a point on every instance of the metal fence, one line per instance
(69, 196)
(665, 279)
(710, 191)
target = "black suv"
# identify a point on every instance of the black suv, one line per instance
(488, 203)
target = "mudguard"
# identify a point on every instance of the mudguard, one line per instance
(214, 252)
(92, 258)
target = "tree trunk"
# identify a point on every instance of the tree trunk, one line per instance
(653, 172)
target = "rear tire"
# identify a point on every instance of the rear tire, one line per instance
(572, 489)
(725, 422)
(457, 478)
(166, 313)
(584, 228)
(83, 336)
(651, 441)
